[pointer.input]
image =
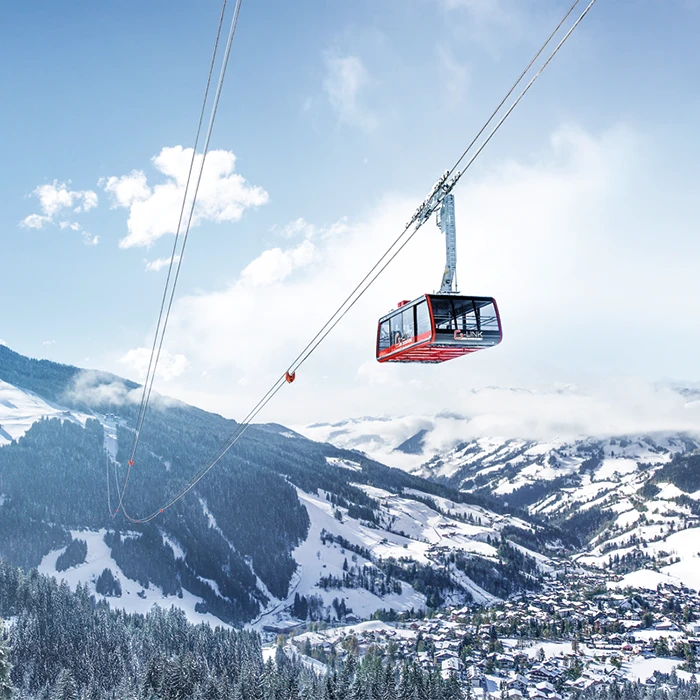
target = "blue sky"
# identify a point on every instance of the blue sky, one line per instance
(581, 216)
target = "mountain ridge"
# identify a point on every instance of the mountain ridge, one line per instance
(626, 496)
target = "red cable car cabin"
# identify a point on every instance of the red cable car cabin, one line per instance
(438, 327)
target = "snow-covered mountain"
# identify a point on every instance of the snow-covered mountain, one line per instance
(633, 499)
(282, 522)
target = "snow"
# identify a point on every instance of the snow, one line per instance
(646, 635)
(210, 517)
(614, 466)
(20, 409)
(344, 463)
(687, 570)
(550, 649)
(408, 528)
(178, 551)
(640, 668)
(109, 426)
(99, 557)
(628, 518)
(643, 578)
(268, 652)
(317, 560)
(332, 634)
(682, 543)
(669, 492)
(213, 585)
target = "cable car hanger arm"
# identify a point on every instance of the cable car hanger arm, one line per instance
(446, 222)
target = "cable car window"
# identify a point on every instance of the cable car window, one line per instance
(396, 329)
(467, 316)
(488, 318)
(443, 313)
(402, 327)
(407, 323)
(422, 318)
(464, 314)
(385, 335)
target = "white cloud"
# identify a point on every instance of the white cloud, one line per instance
(300, 226)
(57, 201)
(621, 406)
(154, 210)
(159, 263)
(169, 365)
(35, 221)
(54, 199)
(276, 264)
(89, 201)
(49, 342)
(346, 77)
(89, 239)
(100, 388)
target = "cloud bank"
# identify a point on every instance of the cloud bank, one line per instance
(555, 239)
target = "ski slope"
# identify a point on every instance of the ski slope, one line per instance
(20, 409)
(134, 598)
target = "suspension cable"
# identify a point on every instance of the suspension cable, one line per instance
(444, 186)
(205, 151)
(179, 224)
(160, 332)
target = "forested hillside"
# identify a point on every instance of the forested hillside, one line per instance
(65, 645)
(229, 543)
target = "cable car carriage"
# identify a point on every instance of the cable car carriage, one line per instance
(442, 326)
(438, 327)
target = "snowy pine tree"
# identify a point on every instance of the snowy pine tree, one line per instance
(5, 669)
(65, 687)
